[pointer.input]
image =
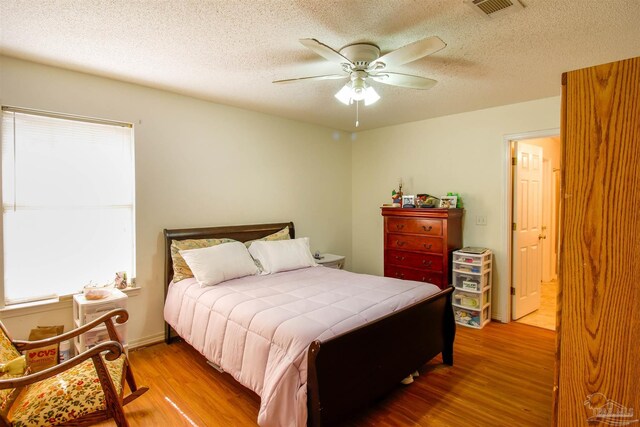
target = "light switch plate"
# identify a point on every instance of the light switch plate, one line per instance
(481, 220)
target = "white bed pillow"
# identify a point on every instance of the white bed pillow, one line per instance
(216, 264)
(282, 255)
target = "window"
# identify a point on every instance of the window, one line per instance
(67, 201)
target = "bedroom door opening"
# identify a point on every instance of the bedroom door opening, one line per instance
(527, 236)
(534, 184)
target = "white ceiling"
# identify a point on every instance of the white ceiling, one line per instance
(229, 51)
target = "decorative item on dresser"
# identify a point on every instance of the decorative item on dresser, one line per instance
(418, 243)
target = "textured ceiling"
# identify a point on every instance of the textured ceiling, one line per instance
(229, 51)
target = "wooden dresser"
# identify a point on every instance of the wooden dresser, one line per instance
(418, 243)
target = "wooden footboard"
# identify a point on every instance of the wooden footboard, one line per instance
(351, 370)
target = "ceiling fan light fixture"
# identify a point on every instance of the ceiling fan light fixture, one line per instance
(344, 95)
(370, 96)
(357, 90)
(362, 61)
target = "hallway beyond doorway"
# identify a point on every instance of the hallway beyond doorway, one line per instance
(545, 316)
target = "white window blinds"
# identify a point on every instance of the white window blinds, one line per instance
(68, 203)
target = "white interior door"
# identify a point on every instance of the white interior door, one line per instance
(527, 261)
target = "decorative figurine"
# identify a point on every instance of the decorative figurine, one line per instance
(396, 196)
(121, 280)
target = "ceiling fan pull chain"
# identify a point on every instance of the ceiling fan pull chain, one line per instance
(357, 113)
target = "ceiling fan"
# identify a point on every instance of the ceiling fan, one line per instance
(361, 63)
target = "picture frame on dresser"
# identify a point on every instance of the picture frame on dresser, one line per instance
(408, 200)
(448, 202)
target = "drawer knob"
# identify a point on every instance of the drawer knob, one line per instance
(400, 275)
(425, 228)
(399, 226)
(399, 243)
(427, 263)
(399, 258)
(427, 246)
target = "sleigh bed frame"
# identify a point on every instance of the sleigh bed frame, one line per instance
(351, 370)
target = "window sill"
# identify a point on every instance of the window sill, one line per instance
(60, 303)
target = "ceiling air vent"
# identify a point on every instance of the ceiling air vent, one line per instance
(494, 8)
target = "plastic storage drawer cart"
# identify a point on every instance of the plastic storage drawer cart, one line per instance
(472, 283)
(84, 311)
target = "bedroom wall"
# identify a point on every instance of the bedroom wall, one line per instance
(463, 153)
(197, 164)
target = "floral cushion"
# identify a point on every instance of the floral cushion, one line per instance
(7, 353)
(66, 396)
(278, 235)
(8, 395)
(181, 270)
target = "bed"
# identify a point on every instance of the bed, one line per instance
(341, 371)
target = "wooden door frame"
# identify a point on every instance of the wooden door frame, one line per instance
(507, 203)
(547, 206)
(550, 208)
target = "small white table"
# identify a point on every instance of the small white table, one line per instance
(85, 310)
(331, 261)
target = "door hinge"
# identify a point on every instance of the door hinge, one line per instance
(514, 161)
(513, 291)
(514, 226)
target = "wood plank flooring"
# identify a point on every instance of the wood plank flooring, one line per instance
(502, 376)
(545, 316)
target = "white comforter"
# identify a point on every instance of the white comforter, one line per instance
(258, 328)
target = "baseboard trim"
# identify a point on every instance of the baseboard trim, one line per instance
(500, 318)
(148, 340)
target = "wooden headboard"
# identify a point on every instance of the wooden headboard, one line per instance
(241, 233)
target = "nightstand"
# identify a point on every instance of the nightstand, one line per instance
(331, 261)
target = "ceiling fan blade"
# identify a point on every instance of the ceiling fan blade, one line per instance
(301, 79)
(404, 80)
(411, 52)
(325, 51)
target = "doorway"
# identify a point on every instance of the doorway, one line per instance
(535, 189)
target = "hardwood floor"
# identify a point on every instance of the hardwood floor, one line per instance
(502, 376)
(545, 316)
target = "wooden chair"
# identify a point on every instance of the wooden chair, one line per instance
(84, 390)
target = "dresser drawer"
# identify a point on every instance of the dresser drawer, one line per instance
(429, 227)
(414, 243)
(413, 260)
(417, 275)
